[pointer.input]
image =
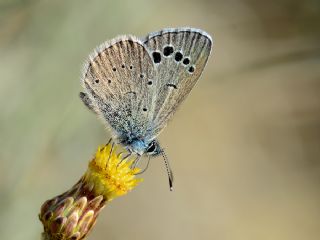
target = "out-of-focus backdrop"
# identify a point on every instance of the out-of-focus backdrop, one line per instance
(244, 146)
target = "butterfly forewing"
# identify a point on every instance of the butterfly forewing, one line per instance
(117, 80)
(179, 57)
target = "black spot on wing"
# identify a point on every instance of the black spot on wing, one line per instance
(156, 57)
(167, 51)
(130, 93)
(191, 69)
(178, 56)
(172, 85)
(186, 61)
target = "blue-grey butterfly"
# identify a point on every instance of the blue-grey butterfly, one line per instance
(135, 85)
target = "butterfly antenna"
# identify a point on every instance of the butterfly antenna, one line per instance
(169, 171)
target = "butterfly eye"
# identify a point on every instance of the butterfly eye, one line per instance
(151, 147)
(97, 80)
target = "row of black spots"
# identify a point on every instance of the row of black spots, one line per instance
(178, 57)
(167, 52)
(130, 67)
(97, 81)
(186, 61)
(122, 66)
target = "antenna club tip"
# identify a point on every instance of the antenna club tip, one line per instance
(170, 185)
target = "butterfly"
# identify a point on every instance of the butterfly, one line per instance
(136, 85)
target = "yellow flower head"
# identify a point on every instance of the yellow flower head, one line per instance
(110, 175)
(72, 215)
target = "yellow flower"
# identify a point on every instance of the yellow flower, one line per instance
(111, 176)
(72, 214)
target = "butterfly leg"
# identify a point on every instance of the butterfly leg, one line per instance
(124, 158)
(110, 154)
(87, 101)
(146, 167)
(136, 161)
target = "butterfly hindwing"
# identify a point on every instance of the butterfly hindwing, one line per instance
(117, 78)
(179, 57)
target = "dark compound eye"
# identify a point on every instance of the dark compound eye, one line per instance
(151, 147)
(186, 61)
(156, 57)
(109, 81)
(141, 75)
(114, 69)
(167, 51)
(130, 67)
(178, 57)
(144, 109)
(97, 80)
(150, 83)
(122, 65)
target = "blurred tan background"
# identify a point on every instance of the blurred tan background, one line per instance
(244, 147)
